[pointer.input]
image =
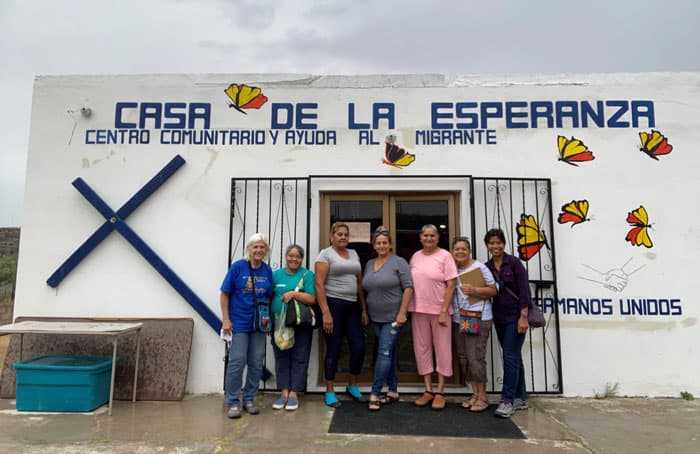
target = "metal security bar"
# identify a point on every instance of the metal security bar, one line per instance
(275, 207)
(522, 208)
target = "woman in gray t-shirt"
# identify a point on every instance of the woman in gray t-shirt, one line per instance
(338, 274)
(387, 281)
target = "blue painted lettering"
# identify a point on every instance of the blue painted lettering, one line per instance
(614, 119)
(178, 114)
(380, 111)
(542, 114)
(286, 115)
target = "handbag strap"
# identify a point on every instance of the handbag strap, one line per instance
(301, 282)
(513, 294)
(252, 281)
(505, 287)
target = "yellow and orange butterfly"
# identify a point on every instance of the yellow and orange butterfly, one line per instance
(639, 234)
(573, 151)
(654, 144)
(530, 238)
(245, 97)
(396, 156)
(575, 212)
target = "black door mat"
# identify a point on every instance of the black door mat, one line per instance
(404, 418)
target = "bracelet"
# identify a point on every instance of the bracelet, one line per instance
(523, 314)
(476, 291)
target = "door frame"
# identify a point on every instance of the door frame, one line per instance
(351, 187)
(389, 212)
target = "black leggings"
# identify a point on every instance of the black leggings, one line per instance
(347, 322)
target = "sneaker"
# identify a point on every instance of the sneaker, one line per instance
(505, 409)
(234, 413)
(292, 404)
(251, 408)
(279, 403)
(520, 404)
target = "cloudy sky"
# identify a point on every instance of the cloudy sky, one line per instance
(40, 37)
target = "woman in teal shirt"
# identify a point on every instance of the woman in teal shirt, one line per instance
(291, 365)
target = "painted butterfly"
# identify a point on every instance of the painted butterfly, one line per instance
(573, 151)
(396, 156)
(245, 97)
(654, 144)
(575, 212)
(530, 237)
(639, 234)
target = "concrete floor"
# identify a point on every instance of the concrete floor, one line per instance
(198, 425)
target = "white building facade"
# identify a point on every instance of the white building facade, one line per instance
(590, 176)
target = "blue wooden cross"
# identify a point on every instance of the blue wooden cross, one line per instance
(115, 221)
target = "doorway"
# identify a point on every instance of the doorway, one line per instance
(297, 210)
(403, 214)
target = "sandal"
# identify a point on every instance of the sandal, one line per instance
(387, 399)
(374, 405)
(439, 401)
(425, 399)
(467, 404)
(481, 404)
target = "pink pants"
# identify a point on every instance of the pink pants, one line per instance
(429, 335)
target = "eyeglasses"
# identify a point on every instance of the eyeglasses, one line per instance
(381, 232)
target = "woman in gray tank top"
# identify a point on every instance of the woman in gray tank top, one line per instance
(338, 276)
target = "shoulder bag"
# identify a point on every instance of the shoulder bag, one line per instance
(263, 322)
(300, 314)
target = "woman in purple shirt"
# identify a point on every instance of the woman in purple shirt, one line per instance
(510, 308)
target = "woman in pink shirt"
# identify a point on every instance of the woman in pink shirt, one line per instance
(434, 279)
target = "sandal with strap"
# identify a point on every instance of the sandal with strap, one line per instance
(389, 399)
(467, 404)
(425, 399)
(481, 404)
(374, 405)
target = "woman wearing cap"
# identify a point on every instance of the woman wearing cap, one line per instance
(434, 277)
(338, 279)
(471, 348)
(387, 281)
(248, 280)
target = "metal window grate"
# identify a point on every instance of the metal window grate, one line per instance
(500, 202)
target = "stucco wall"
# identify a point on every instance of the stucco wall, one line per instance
(627, 308)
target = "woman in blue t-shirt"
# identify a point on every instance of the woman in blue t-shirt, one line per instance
(291, 365)
(237, 301)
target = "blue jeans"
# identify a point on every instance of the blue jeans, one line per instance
(291, 365)
(347, 322)
(247, 349)
(513, 370)
(385, 367)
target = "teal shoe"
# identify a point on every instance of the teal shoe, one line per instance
(354, 392)
(331, 400)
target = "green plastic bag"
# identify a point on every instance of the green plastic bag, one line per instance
(284, 336)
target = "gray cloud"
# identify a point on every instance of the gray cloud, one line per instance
(324, 37)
